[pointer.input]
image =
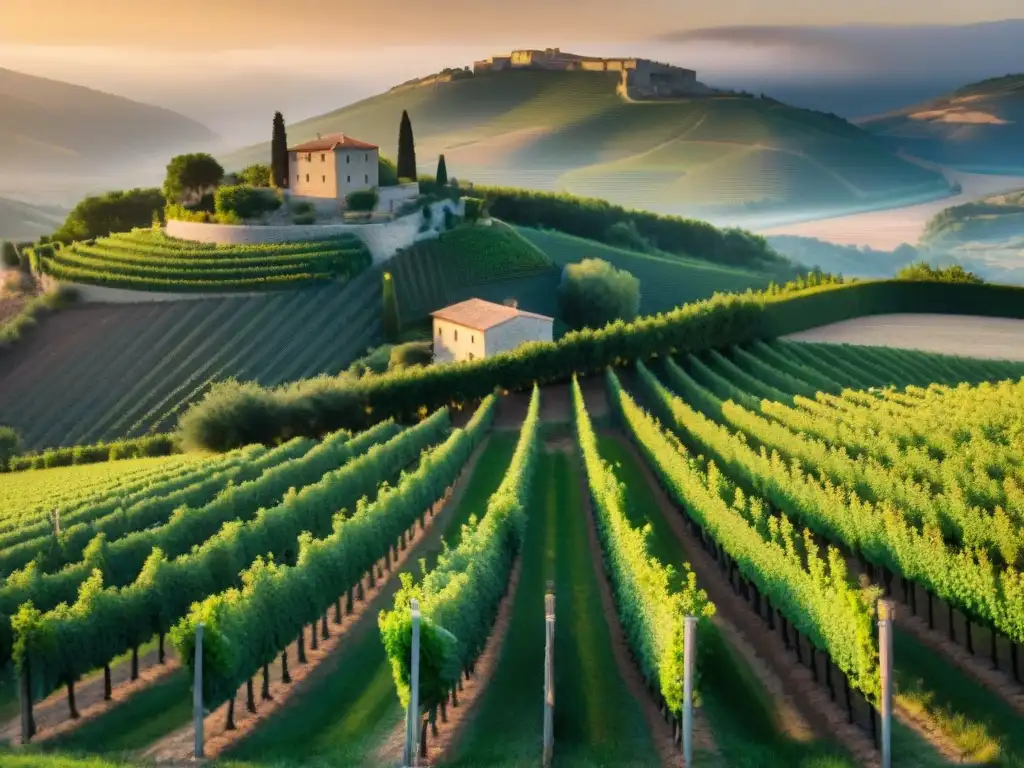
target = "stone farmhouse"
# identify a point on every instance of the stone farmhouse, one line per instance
(327, 169)
(641, 78)
(475, 329)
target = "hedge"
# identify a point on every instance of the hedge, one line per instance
(153, 445)
(234, 414)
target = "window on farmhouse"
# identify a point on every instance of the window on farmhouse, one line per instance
(456, 335)
(348, 178)
(323, 158)
(348, 158)
(309, 155)
(297, 177)
(307, 177)
(323, 179)
(472, 339)
(366, 178)
(472, 356)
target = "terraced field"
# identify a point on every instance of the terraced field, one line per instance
(899, 464)
(492, 263)
(666, 282)
(103, 372)
(145, 259)
(569, 131)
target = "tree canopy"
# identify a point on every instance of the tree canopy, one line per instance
(256, 175)
(442, 172)
(10, 445)
(593, 293)
(922, 270)
(121, 211)
(191, 176)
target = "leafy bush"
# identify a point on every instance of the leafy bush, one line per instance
(9, 256)
(245, 202)
(304, 218)
(921, 270)
(387, 173)
(374, 361)
(191, 176)
(10, 445)
(99, 215)
(410, 355)
(624, 234)
(474, 208)
(362, 200)
(256, 175)
(593, 293)
(302, 206)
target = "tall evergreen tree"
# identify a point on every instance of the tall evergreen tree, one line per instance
(279, 153)
(390, 322)
(442, 172)
(406, 149)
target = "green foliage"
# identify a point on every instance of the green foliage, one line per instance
(474, 209)
(149, 260)
(248, 627)
(459, 598)
(812, 591)
(375, 360)
(387, 172)
(279, 153)
(721, 321)
(12, 329)
(441, 178)
(245, 202)
(411, 354)
(105, 621)
(256, 175)
(593, 293)
(152, 445)
(650, 606)
(390, 319)
(99, 215)
(362, 200)
(304, 218)
(191, 176)
(10, 447)
(921, 270)
(9, 255)
(624, 234)
(406, 149)
(597, 220)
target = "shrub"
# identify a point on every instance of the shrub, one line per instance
(304, 218)
(374, 361)
(474, 208)
(178, 212)
(256, 175)
(593, 293)
(245, 202)
(10, 446)
(191, 176)
(9, 256)
(450, 219)
(99, 215)
(411, 354)
(921, 270)
(362, 200)
(624, 234)
(387, 172)
(303, 206)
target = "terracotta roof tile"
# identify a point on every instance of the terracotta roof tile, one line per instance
(481, 315)
(330, 143)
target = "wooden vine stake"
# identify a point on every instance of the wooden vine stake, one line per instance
(549, 674)
(689, 649)
(197, 695)
(886, 614)
(412, 720)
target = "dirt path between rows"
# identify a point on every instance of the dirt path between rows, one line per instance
(52, 714)
(661, 730)
(459, 719)
(801, 706)
(177, 747)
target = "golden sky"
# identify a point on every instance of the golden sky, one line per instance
(274, 23)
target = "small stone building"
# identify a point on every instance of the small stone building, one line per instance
(476, 329)
(325, 170)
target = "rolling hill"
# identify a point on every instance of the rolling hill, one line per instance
(979, 127)
(720, 157)
(25, 221)
(51, 127)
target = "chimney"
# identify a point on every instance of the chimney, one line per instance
(514, 303)
(319, 136)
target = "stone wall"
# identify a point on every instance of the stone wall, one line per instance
(383, 239)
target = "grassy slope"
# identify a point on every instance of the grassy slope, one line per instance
(350, 711)
(103, 372)
(597, 723)
(558, 130)
(665, 281)
(493, 263)
(987, 147)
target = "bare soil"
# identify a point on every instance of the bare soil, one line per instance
(966, 335)
(802, 706)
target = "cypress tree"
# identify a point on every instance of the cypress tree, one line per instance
(442, 172)
(406, 149)
(279, 153)
(390, 320)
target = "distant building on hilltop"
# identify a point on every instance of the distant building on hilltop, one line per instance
(327, 169)
(641, 78)
(475, 329)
